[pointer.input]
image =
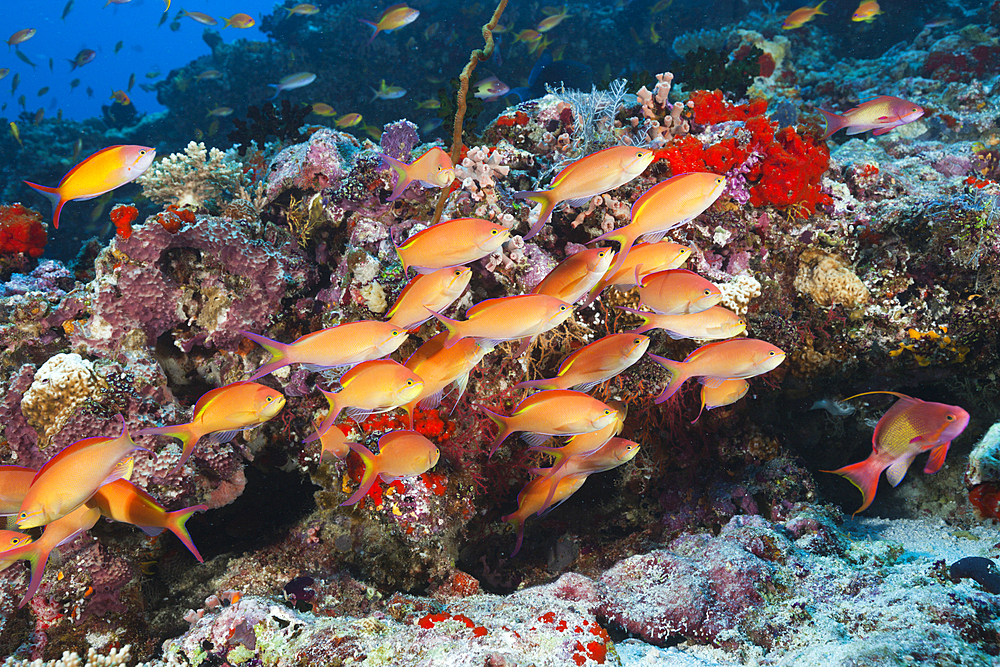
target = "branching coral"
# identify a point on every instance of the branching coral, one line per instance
(196, 178)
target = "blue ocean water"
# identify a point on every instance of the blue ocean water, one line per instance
(147, 47)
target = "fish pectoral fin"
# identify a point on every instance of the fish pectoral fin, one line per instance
(432, 401)
(587, 386)
(654, 237)
(358, 414)
(222, 437)
(534, 439)
(579, 201)
(152, 531)
(936, 459)
(711, 382)
(897, 471)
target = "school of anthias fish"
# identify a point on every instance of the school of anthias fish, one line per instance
(89, 478)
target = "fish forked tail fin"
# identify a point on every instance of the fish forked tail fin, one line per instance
(373, 26)
(176, 521)
(500, 421)
(402, 180)
(331, 417)
(646, 319)
(678, 376)
(280, 354)
(454, 335)
(368, 477)
(548, 202)
(864, 476)
(186, 433)
(37, 556)
(834, 123)
(517, 522)
(53, 195)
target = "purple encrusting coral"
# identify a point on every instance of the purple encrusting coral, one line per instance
(212, 278)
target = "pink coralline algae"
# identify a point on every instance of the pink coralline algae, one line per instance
(212, 279)
(698, 590)
(319, 163)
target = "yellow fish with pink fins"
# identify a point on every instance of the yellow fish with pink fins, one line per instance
(222, 413)
(393, 18)
(37, 553)
(105, 170)
(588, 177)
(72, 476)
(433, 169)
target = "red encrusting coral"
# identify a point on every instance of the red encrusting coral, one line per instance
(789, 166)
(123, 215)
(173, 217)
(986, 498)
(21, 230)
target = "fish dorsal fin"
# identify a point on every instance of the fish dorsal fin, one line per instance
(85, 161)
(890, 393)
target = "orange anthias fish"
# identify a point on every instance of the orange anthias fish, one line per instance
(348, 120)
(588, 177)
(240, 20)
(120, 97)
(610, 455)
(73, 475)
(334, 442)
(552, 412)
(643, 259)
(11, 539)
(20, 37)
(400, 454)
(200, 17)
(393, 18)
(673, 202)
(882, 114)
(717, 362)
(371, 386)
(550, 22)
(123, 501)
(910, 427)
(801, 16)
(451, 243)
(433, 169)
(82, 58)
(713, 323)
(14, 484)
(866, 11)
(221, 414)
(726, 393)
(535, 494)
(303, 9)
(439, 366)
(428, 293)
(576, 275)
(678, 292)
(37, 553)
(342, 345)
(291, 82)
(506, 318)
(594, 363)
(102, 172)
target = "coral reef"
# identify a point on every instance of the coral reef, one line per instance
(198, 178)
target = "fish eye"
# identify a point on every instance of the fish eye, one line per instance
(562, 308)
(950, 418)
(771, 353)
(270, 398)
(142, 152)
(395, 333)
(637, 341)
(708, 292)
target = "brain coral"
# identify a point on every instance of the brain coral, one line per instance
(829, 280)
(61, 385)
